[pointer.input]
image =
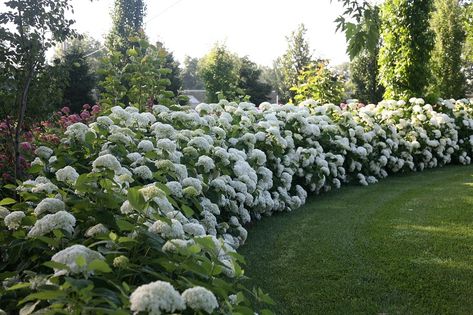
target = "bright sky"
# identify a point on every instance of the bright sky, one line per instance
(256, 28)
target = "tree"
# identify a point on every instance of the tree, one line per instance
(220, 71)
(80, 71)
(361, 24)
(172, 64)
(127, 19)
(290, 65)
(364, 76)
(250, 81)
(449, 80)
(190, 76)
(319, 83)
(467, 17)
(141, 82)
(407, 42)
(27, 29)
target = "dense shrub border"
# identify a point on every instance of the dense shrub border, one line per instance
(144, 211)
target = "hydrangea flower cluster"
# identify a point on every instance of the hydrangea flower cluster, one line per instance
(187, 180)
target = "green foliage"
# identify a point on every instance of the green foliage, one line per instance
(27, 29)
(364, 76)
(363, 33)
(449, 81)
(407, 42)
(127, 19)
(289, 66)
(251, 82)
(142, 81)
(219, 70)
(174, 76)
(79, 72)
(467, 17)
(190, 76)
(319, 83)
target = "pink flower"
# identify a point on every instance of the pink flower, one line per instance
(26, 146)
(86, 106)
(85, 115)
(95, 109)
(65, 110)
(74, 118)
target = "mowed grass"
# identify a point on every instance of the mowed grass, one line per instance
(402, 246)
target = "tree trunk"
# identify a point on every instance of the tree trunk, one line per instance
(21, 118)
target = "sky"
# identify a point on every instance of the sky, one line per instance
(256, 28)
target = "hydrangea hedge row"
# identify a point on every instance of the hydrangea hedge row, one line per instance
(143, 212)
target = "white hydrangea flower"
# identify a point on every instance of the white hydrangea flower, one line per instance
(143, 172)
(96, 229)
(175, 188)
(104, 120)
(69, 255)
(13, 219)
(166, 144)
(37, 161)
(67, 174)
(77, 131)
(106, 161)
(199, 298)
(175, 230)
(126, 207)
(4, 212)
(43, 152)
(59, 220)
(194, 229)
(151, 191)
(156, 298)
(173, 245)
(146, 145)
(193, 182)
(50, 205)
(206, 163)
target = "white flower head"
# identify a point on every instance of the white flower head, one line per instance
(200, 298)
(156, 298)
(3, 212)
(60, 220)
(50, 205)
(13, 220)
(96, 229)
(143, 172)
(106, 161)
(43, 152)
(206, 163)
(77, 131)
(145, 145)
(67, 175)
(69, 255)
(175, 230)
(151, 191)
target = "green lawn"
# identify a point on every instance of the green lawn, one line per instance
(402, 246)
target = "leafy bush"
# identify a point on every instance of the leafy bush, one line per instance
(144, 211)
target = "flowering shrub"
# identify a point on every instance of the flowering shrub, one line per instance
(36, 134)
(143, 212)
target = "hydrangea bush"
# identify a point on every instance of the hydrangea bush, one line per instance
(144, 211)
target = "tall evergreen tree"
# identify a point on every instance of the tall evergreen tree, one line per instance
(174, 75)
(127, 19)
(289, 66)
(407, 42)
(449, 80)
